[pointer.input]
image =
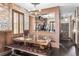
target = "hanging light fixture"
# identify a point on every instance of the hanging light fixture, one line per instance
(36, 11)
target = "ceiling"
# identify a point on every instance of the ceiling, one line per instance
(65, 8)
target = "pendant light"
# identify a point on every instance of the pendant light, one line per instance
(36, 11)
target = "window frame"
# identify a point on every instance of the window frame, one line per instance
(19, 13)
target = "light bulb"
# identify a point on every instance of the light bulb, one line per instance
(74, 30)
(66, 19)
(39, 10)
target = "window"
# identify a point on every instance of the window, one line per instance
(18, 22)
(21, 23)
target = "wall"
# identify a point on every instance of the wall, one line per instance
(6, 33)
(5, 22)
(6, 16)
(56, 34)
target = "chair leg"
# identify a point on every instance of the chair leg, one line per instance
(12, 51)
